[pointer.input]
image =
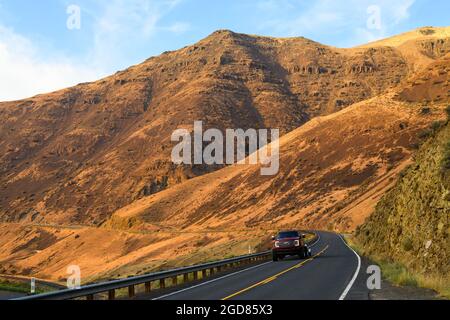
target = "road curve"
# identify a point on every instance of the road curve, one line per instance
(328, 275)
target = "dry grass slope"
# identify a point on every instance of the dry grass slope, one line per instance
(411, 224)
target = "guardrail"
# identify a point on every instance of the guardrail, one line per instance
(110, 287)
(208, 269)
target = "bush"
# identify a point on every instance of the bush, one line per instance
(445, 163)
(436, 125)
(425, 110)
(448, 111)
(407, 244)
(424, 134)
(404, 172)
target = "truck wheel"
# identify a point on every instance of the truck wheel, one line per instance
(274, 258)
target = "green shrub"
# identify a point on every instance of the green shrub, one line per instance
(445, 163)
(404, 172)
(407, 244)
(424, 134)
(448, 111)
(436, 125)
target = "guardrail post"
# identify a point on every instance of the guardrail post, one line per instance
(131, 292)
(186, 277)
(203, 274)
(196, 275)
(90, 297)
(162, 283)
(112, 294)
(148, 287)
(175, 281)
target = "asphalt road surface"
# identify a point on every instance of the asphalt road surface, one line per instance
(332, 273)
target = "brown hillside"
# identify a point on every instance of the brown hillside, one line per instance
(432, 85)
(77, 155)
(324, 164)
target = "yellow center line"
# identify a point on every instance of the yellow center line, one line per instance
(274, 277)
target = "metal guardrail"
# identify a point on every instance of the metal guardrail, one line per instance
(110, 287)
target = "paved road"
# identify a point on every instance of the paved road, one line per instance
(329, 275)
(6, 295)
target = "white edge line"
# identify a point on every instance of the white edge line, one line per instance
(315, 242)
(350, 285)
(224, 277)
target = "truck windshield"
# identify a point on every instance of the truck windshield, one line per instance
(289, 234)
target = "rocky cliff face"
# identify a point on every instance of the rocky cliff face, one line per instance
(411, 224)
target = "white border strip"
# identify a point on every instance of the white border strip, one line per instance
(350, 285)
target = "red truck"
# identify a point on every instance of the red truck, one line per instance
(290, 243)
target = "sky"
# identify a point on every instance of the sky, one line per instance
(47, 45)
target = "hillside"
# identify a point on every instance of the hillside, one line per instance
(418, 47)
(77, 155)
(411, 224)
(320, 170)
(417, 35)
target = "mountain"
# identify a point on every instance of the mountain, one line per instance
(77, 155)
(88, 167)
(332, 171)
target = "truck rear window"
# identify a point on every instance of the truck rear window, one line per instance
(289, 234)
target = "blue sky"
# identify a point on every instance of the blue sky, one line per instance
(38, 53)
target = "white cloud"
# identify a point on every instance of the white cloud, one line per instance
(120, 28)
(125, 23)
(401, 10)
(178, 27)
(326, 17)
(24, 73)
